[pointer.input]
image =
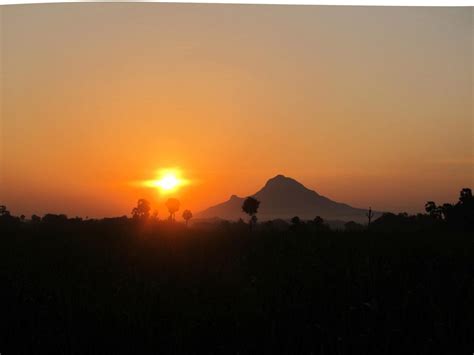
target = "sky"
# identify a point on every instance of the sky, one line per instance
(370, 106)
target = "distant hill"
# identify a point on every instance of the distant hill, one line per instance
(283, 197)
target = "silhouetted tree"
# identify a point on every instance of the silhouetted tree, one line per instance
(250, 206)
(35, 219)
(462, 214)
(445, 211)
(173, 206)
(458, 216)
(465, 196)
(432, 209)
(142, 211)
(6, 219)
(318, 221)
(319, 224)
(187, 215)
(369, 215)
(297, 224)
(296, 220)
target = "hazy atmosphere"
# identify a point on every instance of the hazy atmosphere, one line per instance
(370, 106)
(236, 179)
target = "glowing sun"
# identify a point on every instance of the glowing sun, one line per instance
(168, 180)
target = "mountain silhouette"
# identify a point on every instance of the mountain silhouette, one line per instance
(284, 197)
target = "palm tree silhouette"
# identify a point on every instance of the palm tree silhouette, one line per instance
(250, 206)
(187, 215)
(173, 206)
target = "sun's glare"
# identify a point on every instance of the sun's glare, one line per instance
(168, 180)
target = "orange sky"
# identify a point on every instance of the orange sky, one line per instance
(368, 106)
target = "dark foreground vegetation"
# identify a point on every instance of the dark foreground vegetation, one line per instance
(131, 286)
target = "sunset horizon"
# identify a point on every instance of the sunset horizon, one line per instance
(151, 191)
(236, 179)
(364, 118)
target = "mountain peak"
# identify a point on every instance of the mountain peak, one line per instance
(283, 181)
(279, 177)
(284, 197)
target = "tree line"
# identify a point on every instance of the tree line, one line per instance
(458, 215)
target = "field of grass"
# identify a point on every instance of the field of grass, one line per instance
(108, 288)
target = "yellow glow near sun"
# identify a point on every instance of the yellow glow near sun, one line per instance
(168, 180)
